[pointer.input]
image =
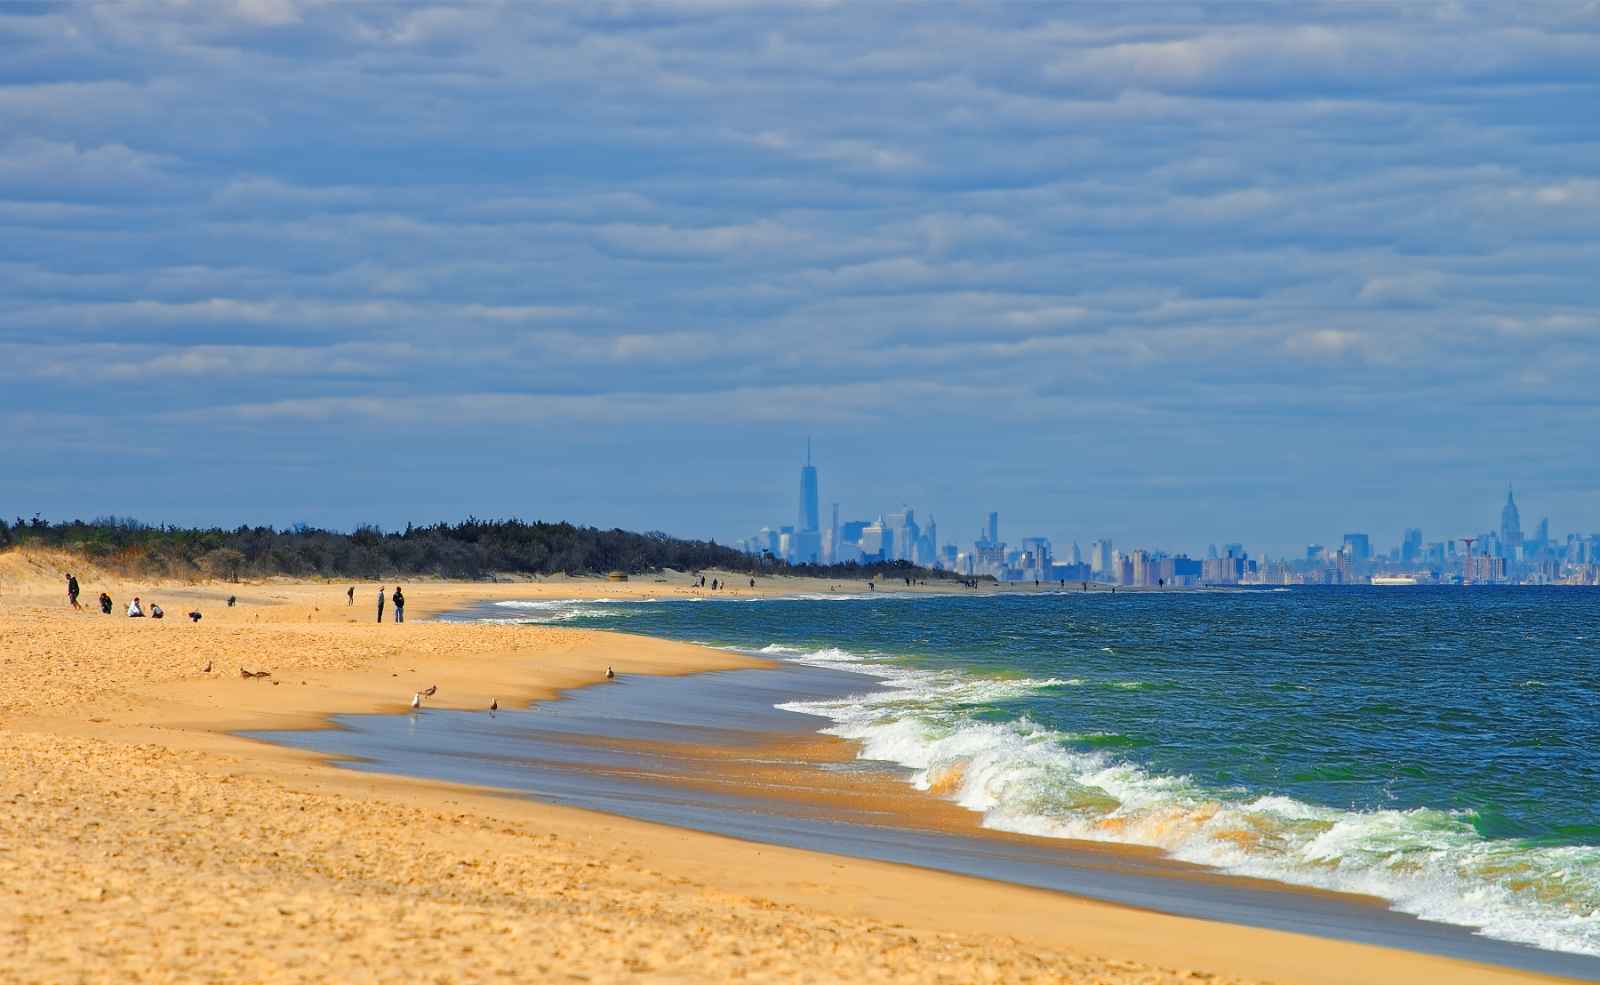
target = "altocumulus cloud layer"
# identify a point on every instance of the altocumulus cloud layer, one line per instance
(1172, 274)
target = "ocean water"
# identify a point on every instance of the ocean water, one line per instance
(1435, 747)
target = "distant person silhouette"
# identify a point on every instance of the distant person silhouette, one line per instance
(380, 605)
(72, 591)
(105, 603)
(155, 611)
(399, 605)
(350, 596)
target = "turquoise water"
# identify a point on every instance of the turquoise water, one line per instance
(1434, 747)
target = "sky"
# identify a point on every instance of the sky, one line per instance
(1167, 274)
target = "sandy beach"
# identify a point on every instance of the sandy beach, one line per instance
(141, 841)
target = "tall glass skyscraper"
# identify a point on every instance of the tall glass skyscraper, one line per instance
(807, 547)
(810, 516)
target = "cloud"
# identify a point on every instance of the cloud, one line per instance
(1052, 244)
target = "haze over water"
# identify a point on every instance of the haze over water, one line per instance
(1433, 747)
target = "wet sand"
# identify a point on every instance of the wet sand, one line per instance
(141, 841)
(711, 752)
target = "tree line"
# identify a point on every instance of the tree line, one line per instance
(467, 550)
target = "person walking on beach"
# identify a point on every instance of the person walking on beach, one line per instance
(350, 596)
(72, 591)
(399, 605)
(380, 604)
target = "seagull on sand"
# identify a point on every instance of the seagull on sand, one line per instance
(494, 705)
(430, 690)
(611, 675)
(416, 700)
(245, 674)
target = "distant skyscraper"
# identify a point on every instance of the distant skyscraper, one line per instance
(1510, 525)
(994, 528)
(1359, 547)
(806, 545)
(1100, 557)
(833, 537)
(1411, 547)
(1077, 553)
(810, 518)
(877, 541)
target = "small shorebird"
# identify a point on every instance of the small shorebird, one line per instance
(430, 690)
(245, 674)
(494, 705)
(208, 668)
(611, 675)
(416, 700)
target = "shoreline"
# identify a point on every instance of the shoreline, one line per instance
(154, 836)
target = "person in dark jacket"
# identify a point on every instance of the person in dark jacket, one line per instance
(72, 591)
(399, 605)
(105, 603)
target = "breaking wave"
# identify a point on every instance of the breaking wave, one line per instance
(1026, 778)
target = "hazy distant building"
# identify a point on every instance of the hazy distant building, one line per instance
(1100, 557)
(1510, 526)
(903, 524)
(1316, 553)
(928, 545)
(806, 544)
(1359, 547)
(1411, 546)
(877, 541)
(1077, 553)
(992, 533)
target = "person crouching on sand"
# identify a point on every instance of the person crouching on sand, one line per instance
(105, 603)
(399, 605)
(134, 612)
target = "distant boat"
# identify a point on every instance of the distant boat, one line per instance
(1393, 580)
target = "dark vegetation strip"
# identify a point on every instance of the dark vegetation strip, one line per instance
(471, 549)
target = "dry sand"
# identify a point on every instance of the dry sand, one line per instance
(141, 842)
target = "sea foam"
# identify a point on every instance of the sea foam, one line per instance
(1026, 778)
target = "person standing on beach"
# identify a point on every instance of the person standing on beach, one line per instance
(380, 604)
(350, 596)
(72, 591)
(399, 605)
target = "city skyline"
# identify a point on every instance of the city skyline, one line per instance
(1498, 554)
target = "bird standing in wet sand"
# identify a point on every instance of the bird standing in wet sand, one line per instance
(416, 700)
(207, 669)
(494, 706)
(430, 690)
(611, 675)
